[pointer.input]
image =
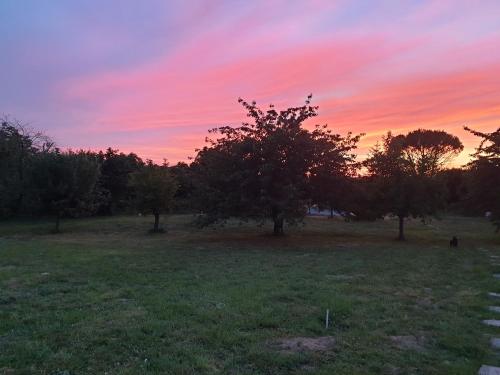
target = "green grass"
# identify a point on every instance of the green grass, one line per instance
(106, 297)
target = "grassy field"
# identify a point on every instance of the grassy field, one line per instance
(106, 297)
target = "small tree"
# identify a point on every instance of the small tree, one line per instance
(404, 170)
(154, 189)
(485, 173)
(64, 183)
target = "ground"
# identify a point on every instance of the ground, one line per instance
(105, 296)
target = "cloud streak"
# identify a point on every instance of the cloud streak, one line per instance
(155, 83)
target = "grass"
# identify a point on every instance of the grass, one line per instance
(106, 297)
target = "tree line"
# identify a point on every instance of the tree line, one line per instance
(271, 167)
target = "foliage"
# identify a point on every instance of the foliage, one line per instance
(456, 184)
(116, 168)
(426, 152)
(260, 170)
(271, 167)
(331, 178)
(485, 174)
(404, 170)
(18, 143)
(63, 183)
(154, 190)
(184, 195)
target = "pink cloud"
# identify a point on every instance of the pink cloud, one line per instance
(388, 79)
(163, 95)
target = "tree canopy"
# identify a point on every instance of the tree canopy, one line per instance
(154, 189)
(116, 168)
(261, 169)
(485, 174)
(426, 152)
(18, 143)
(404, 170)
(64, 182)
(274, 166)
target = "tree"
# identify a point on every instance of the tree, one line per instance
(404, 170)
(154, 189)
(485, 173)
(455, 181)
(116, 168)
(64, 183)
(331, 179)
(426, 152)
(362, 198)
(260, 170)
(17, 144)
(183, 175)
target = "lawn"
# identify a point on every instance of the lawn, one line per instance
(106, 297)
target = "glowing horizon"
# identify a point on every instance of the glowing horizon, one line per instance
(152, 78)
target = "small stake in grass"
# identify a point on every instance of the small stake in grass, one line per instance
(327, 320)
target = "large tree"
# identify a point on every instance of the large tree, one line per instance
(154, 190)
(485, 173)
(260, 169)
(404, 170)
(64, 183)
(18, 143)
(116, 168)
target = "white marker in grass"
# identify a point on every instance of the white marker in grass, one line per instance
(327, 320)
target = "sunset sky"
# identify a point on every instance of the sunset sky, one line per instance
(152, 76)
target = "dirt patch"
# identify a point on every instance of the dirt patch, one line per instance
(425, 302)
(392, 370)
(13, 283)
(340, 277)
(307, 368)
(408, 342)
(304, 344)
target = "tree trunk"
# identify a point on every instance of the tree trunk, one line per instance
(401, 236)
(277, 216)
(58, 220)
(20, 197)
(278, 219)
(278, 225)
(156, 228)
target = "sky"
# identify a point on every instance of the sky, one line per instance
(153, 76)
